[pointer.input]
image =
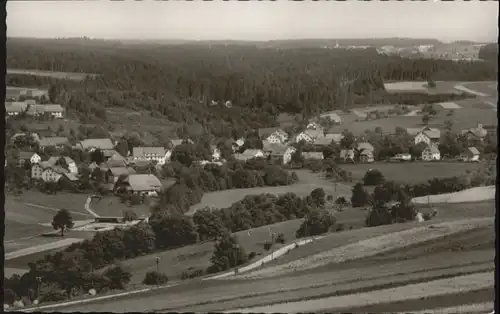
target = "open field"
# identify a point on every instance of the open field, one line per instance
(112, 206)
(53, 74)
(411, 172)
(220, 295)
(371, 247)
(197, 256)
(416, 86)
(477, 194)
(308, 181)
(454, 285)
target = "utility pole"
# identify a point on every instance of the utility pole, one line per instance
(39, 281)
(157, 264)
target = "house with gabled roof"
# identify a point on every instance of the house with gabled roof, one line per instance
(431, 152)
(47, 172)
(176, 142)
(53, 141)
(332, 116)
(273, 135)
(72, 167)
(32, 157)
(143, 184)
(14, 108)
(156, 154)
(365, 146)
(425, 135)
(470, 154)
(96, 143)
(113, 173)
(478, 133)
(278, 152)
(249, 154)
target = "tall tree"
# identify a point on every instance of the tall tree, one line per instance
(62, 220)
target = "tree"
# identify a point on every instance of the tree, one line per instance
(316, 223)
(373, 177)
(139, 239)
(359, 196)
(173, 230)
(119, 277)
(62, 220)
(448, 125)
(228, 253)
(378, 216)
(97, 156)
(318, 197)
(208, 225)
(425, 119)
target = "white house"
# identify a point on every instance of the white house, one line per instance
(215, 152)
(431, 152)
(249, 154)
(47, 172)
(70, 162)
(470, 154)
(273, 135)
(33, 158)
(278, 152)
(16, 107)
(158, 154)
(143, 184)
(309, 136)
(428, 136)
(96, 143)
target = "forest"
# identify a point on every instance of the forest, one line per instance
(190, 83)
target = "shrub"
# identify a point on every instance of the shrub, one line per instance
(317, 222)
(280, 238)
(359, 196)
(373, 177)
(427, 216)
(118, 277)
(155, 278)
(54, 295)
(251, 255)
(129, 215)
(378, 216)
(340, 228)
(267, 246)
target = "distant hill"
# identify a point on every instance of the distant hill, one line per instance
(374, 42)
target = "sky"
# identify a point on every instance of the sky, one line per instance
(217, 20)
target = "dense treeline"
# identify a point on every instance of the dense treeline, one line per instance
(180, 82)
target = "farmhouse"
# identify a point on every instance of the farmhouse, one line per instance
(158, 154)
(470, 154)
(347, 155)
(15, 108)
(32, 157)
(426, 135)
(273, 135)
(55, 161)
(278, 152)
(249, 154)
(53, 141)
(93, 144)
(113, 174)
(365, 146)
(143, 184)
(309, 136)
(47, 172)
(478, 133)
(314, 126)
(431, 152)
(366, 156)
(54, 110)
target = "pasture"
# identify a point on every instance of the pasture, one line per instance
(197, 256)
(308, 181)
(411, 172)
(52, 74)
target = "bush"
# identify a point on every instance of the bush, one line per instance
(129, 215)
(378, 216)
(251, 255)
(280, 238)
(317, 222)
(155, 278)
(359, 196)
(340, 228)
(267, 246)
(427, 216)
(373, 177)
(54, 295)
(118, 276)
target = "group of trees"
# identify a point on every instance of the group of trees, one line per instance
(193, 181)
